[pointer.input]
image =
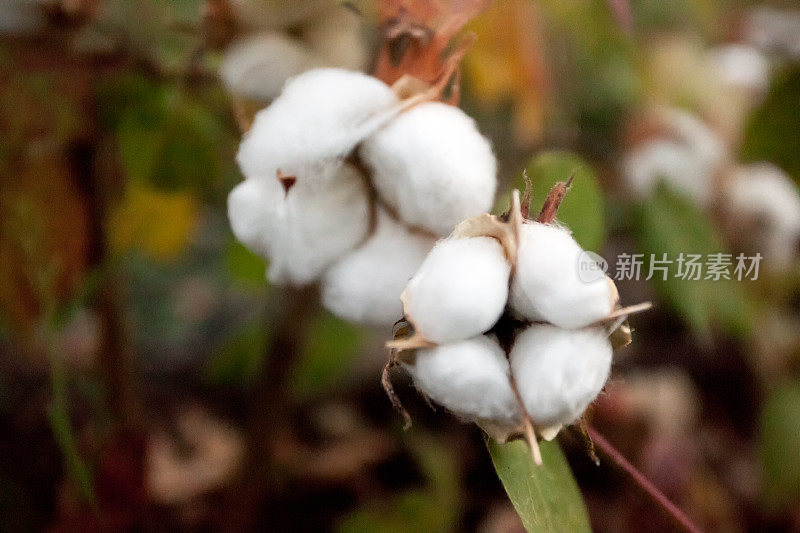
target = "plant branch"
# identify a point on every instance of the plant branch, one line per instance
(645, 484)
(269, 409)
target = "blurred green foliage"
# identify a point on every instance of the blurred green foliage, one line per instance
(780, 444)
(773, 131)
(435, 507)
(672, 225)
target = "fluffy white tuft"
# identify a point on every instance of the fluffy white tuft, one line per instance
(663, 160)
(258, 66)
(741, 66)
(364, 286)
(459, 291)
(304, 230)
(319, 117)
(432, 164)
(546, 285)
(559, 372)
(765, 194)
(470, 378)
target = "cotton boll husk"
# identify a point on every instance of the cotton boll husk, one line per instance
(470, 378)
(459, 291)
(275, 14)
(364, 286)
(765, 195)
(337, 35)
(258, 66)
(546, 285)
(432, 164)
(559, 372)
(303, 230)
(663, 160)
(319, 117)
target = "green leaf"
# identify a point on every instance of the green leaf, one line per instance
(780, 440)
(771, 134)
(670, 224)
(332, 346)
(583, 208)
(546, 497)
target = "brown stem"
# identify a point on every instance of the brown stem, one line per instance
(269, 408)
(642, 482)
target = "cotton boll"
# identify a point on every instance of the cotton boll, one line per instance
(741, 66)
(546, 285)
(432, 164)
(459, 291)
(258, 66)
(304, 228)
(695, 135)
(320, 116)
(470, 378)
(559, 372)
(364, 286)
(663, 160)
(766, 196)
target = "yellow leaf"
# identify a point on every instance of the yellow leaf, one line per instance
(507, 63)
(154, 222)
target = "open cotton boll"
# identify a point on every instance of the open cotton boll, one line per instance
(767, 196)
(695, 135)
(741, 66)
(432, 164)
(319, 116)
(559, 372)
(364, 286)
(546, 284)
(302, 230)
(470, 378)
(663, 160)
(258, 66)
(459, 291)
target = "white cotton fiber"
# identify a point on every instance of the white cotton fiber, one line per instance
(257, 66)
(303, 230)
(459, 291)
(546, 285)
(559, 372)
(665, 160)
(432, 164)
(364, 286)
(765, 194)
(320, 116)
(470, 378)
(741, 66)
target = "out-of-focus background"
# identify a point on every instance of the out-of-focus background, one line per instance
(142, 384)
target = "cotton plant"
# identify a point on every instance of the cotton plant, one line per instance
(349, 182)
(502, 330)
